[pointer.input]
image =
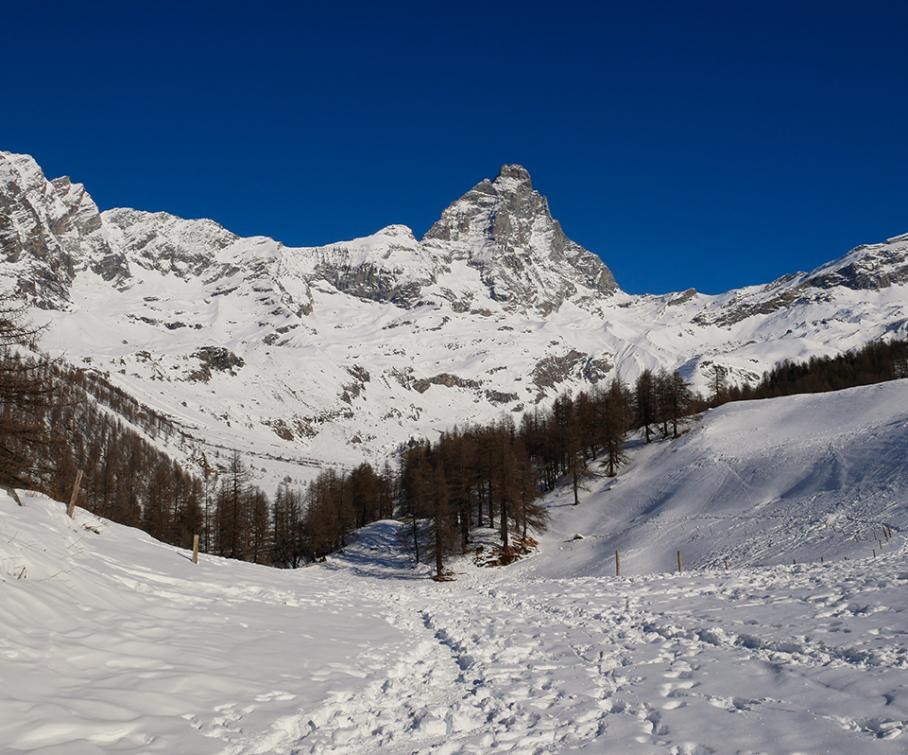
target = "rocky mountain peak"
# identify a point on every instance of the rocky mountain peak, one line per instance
(49, 230)
(506, 230)
(515, 174)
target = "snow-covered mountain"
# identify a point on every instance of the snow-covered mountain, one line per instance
(328, 355)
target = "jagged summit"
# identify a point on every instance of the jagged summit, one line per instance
(49, 230)
(516, 173)
(505, 228)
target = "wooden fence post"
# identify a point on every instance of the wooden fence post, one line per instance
(617, 564)
(195, 549)
(680, 563)
(71, 509)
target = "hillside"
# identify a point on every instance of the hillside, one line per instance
(755, 482)
(119, 643)
(312, 356)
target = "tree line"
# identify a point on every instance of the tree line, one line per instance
(876, 362)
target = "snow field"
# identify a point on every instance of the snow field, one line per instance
(114, 642)
(130, 648)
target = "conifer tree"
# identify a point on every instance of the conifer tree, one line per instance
(614, 421)
(645, 402)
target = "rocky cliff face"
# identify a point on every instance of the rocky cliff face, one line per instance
(388, 266)
(866, 268)
(48, 230)
(333, 354)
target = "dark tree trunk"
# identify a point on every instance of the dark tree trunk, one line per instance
(574, 481)
(504, 524)
(491, 507)
(439, 554)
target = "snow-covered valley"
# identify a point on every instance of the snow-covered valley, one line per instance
(112, 641)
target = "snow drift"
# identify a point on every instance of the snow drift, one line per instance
(111, 641)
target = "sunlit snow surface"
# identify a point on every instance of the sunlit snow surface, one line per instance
(111, 641)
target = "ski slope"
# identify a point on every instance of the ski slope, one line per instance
(113, 642)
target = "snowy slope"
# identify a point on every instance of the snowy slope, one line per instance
(755, 482)
(112, 642)
(331, 355)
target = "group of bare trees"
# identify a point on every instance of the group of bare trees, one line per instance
(300, 524)
(336, 503)
(592, 426)
(493, 476)
(240, 524)
(661, 399)
(24, 394)
(477, 477)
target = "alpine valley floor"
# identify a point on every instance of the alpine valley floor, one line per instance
(113, 642)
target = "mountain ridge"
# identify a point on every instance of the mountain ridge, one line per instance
(342, 351)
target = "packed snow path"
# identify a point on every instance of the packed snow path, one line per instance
(113, 642)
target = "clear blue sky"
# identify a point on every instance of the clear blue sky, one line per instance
(689, 144)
